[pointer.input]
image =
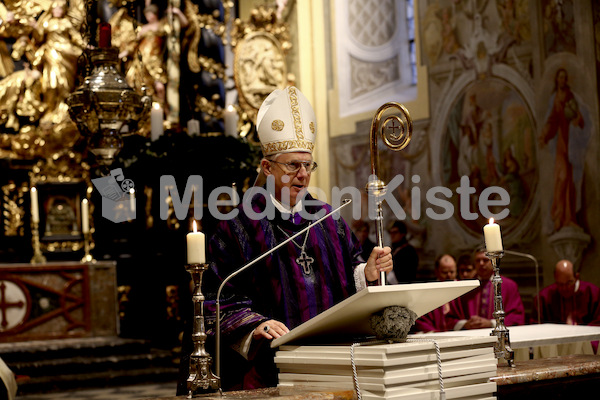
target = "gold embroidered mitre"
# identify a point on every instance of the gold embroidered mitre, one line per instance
(286, 123)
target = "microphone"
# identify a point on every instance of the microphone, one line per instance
(537, 276)
(243, 268)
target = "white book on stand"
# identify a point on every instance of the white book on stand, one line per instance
(351, 317)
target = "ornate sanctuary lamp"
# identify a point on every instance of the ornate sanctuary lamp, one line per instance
(396, 133)
(104, 103)
(495, 251)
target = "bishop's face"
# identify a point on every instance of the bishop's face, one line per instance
(286, 179)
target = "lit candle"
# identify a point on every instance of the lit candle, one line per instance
(195, 246)
(235, 197)
(230, 117)
(493, 237)
(85, 216)
(35, 211)
(193, 127)
(156, 121)
(132, 199)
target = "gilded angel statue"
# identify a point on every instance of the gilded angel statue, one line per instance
(145, 65)
(59, 47)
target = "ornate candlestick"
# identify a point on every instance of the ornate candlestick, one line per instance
(38, 257)
(502, 347)
(200, 376)
(87, 258)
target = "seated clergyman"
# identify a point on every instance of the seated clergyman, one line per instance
(475, 309)
(568, 300)
(313, 272)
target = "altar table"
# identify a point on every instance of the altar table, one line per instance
(568, 377)
(542, 341)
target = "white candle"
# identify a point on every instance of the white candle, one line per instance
(35, 211)
(235, 197)
(85, 216)
(230, 117)
(195, 246)
(132, 199)
(493, 237)
(193, 127)
(156, 121)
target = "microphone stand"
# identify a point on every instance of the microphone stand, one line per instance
(537, 277)
(251, 263)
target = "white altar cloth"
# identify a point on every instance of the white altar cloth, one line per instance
(545, 340)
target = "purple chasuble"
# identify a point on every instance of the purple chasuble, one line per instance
(281, 286)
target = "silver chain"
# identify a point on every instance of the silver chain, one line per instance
(304, 260)
(293, 241)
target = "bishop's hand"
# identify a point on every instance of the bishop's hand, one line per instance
(270, 329)
(379, 260)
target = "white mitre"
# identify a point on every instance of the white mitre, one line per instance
(286, 123)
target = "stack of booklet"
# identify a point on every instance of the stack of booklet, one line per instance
(318, 354)
(406, 370)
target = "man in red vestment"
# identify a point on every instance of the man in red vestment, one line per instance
(474, 310)
(435, 321)
(568, 300)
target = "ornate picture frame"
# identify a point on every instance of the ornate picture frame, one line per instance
(61, 184)
(60, 215)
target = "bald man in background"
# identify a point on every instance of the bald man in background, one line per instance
(435, 321)
(568, 300)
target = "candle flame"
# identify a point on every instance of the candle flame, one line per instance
(491, 220)
(85, 201)
(33, 189)
(195, 226)
(132, 191)
(156, 105)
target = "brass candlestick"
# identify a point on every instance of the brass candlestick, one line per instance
(502, 347)
(87, 258)
(200, 375)
(396, 133)
(38, 257)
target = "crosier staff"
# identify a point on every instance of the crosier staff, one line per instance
(395, 141)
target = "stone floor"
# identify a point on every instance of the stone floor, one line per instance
(140, 391)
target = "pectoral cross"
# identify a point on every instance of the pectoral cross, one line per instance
(305, 261)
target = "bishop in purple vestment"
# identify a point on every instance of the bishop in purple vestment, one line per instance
(307, 276)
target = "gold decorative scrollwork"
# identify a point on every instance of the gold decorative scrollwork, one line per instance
(13, 209)
(260, 47)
